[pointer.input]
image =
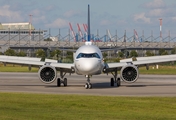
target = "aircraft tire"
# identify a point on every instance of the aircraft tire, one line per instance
(65, 81)
(112, 81)
(58, 82)
(86, 85)
(90, 86)
(118, 82)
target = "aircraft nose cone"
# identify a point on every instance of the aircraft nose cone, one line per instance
(89, 66)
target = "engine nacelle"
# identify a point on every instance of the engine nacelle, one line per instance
(47, 74)
(129, 73)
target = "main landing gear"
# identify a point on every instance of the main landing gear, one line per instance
(59, 82)
(88, 85)
(62, 80)
(115, 79)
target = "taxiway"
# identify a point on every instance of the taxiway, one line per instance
(146, 85)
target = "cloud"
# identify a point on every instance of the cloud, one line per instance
(155, 9)
(8, 15)
(36, 12)
(50, 8)
(121, 22)
(155, 4)
(156, 12)
(37, 16)
(105, 22)
(71, 13)
(58, 23)
(141, 17)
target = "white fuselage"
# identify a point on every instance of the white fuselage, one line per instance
(88, 60)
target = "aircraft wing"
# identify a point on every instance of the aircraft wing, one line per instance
(33, 62)
(143, 61)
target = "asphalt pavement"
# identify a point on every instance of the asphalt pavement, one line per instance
(146, 85)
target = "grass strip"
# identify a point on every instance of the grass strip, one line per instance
(162, 70)
(16, 68)
(22, 106)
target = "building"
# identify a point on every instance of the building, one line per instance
(20, 31)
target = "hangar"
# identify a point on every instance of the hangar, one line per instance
(20, 31)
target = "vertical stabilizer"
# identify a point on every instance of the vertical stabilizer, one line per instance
(88, 36)
(88, 42)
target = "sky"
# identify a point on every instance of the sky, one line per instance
(113, 15)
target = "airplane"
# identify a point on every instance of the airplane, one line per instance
(88, 61)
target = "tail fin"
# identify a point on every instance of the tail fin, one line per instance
(88, 42)
(88, 36)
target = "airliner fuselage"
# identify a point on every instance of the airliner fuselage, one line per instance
(88, 60)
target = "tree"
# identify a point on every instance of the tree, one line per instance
(165, 53)
(52, 54)
(173, 51)
(133, 53)
(149, 53)
(70, 55)
(161, 51)
(55, 54)
(21, 53)
(121, 54)
(10, 52)
(105, 54)
(116, 59)
(126, 53)
(41, 53)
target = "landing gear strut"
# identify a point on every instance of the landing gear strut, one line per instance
(62, 80)
(115, 79)
(88, 85)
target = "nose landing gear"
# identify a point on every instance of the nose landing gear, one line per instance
(88, 85)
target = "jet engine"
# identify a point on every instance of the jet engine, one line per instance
(129, 73)
(47, 74)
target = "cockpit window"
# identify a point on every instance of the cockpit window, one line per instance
(88, 55)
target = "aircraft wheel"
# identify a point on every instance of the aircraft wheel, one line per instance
(112, 81)
(118, 82)
(65, 81)
(58, 82)
(86, 85)
(90, 86)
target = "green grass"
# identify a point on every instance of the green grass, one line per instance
(16, 68)
(162, 70)
(21, 106)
